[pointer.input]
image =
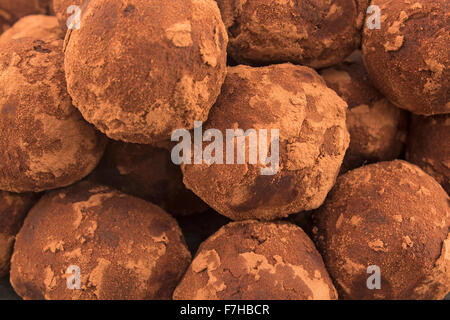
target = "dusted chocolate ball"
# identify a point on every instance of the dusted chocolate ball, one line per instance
(147, 172)
(377, 128)
(408, 58)
(13, 10)
(257, 261)
(36, 26)
(140, 71)
(303, 156)
(122, 246)
(13, 208)
(429, 147)
(45, 142)
(316, 33)
(60, 7)
(387, 221)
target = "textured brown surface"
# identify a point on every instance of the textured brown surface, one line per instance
(429, 147)
(147, 172)
(408, 58)
(377, 128)
(126, 248)
(257, 260)
(60, 8)
(13, 10)
(13, 208)
(316, 33)
(140, 71)
(313, 139)
(392, 215)
(36, 26)
(45, 142)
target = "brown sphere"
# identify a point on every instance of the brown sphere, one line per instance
(429, 147)
(60, 7)
(36, 26)
(257, 261)
(147, 172)
(391, 215)
(124, 247)
(140, 71)
(13, 209)
(315, 33)
(13, 10)
(313, 139)
(377, 128)
(45, 142)
(408, 58)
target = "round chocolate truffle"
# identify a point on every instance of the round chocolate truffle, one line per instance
(300, 125)
(147, 172)
(36, 26)
(377, 128)
(13, 208)
(257, 261)
(429, 147)
(61, 7)
(121, 247)
(45, 142)
(384, 233)
(315, 33)
(13, 10)
(141, 70)
(408, 58)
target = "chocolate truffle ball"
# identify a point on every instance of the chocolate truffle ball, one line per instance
(123, 247)
(429, 147)
(13, 10)
(44, 140)
(312, 140)
(315, 33)
(391, 217)
(149, 173)
(60, 7)
(377, 128)
(257, 261)
(408, 58)
(13, 208)
(36, 26)
(140, 71)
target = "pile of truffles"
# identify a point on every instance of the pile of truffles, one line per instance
(221, 149)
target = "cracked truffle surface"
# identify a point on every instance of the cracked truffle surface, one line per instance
(13, 10)
(313, 139)
(13, 209)
(377, 128)
(147, 172)
(36, 26)
(46, 143)
(140, 71)
(125, 247)
(257, 260)
(392, 215)
(429, 147)
(316, 33)
(408, 58)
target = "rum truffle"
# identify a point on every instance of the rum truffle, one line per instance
(408, 58)
(257, 261)
(313, 33)
(36, 26)
(377, 128)
(13, 208)
(45, 142)
(295, 122)
(147, 172)
(121, 247)
(153, 66)
(13, 10)
(384, 233)
(429, 147)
